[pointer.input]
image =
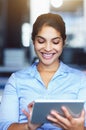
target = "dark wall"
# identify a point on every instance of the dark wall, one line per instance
(17, 13)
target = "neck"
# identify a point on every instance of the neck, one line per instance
(52, 68)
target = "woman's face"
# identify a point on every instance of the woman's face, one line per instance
(48, 45)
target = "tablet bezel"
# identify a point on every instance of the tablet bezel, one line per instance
(42, 108)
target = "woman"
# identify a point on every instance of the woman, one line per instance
(47, 79)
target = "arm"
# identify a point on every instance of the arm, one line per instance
(9, 111)
(70, 123)
(25, 126)
(9, 108)
(18, 126)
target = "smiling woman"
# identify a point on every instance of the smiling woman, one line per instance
(47, 79)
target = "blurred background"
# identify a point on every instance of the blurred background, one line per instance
(16, 20)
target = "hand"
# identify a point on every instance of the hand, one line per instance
(68, 122)
(29, 124)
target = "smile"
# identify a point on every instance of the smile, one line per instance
(47, 55)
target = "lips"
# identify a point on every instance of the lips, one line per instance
(47, 55)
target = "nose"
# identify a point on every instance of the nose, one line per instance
(48, 46)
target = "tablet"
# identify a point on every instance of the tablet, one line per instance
(42, 108)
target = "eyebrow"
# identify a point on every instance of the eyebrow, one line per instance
(45, 38)
(40, 37)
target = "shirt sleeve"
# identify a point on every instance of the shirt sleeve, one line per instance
(82, 92)
(82, 89)
(9, 109)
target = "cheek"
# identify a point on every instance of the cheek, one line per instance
(59, 48)
(35, 45)
(38, 46)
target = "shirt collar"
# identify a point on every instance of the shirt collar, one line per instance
(63, 68)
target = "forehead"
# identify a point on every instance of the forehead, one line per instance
(48, 31)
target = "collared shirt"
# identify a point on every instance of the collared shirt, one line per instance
(26, 86)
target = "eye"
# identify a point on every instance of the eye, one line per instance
(56, 41)
(40, 40)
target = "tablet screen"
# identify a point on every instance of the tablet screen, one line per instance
(42, 108)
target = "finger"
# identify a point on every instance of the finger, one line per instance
(57, 121)
(66, 113)
(61, 125)
(83, 113)
(31, 104)
(82, 116)
(26, 113)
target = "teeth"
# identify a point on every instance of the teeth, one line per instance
(45, 55)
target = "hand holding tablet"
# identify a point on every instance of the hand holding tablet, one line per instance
(42, 108)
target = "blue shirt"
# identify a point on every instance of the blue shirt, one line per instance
(26, 86)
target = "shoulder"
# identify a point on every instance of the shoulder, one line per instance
(29, 71)
(72, 71)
